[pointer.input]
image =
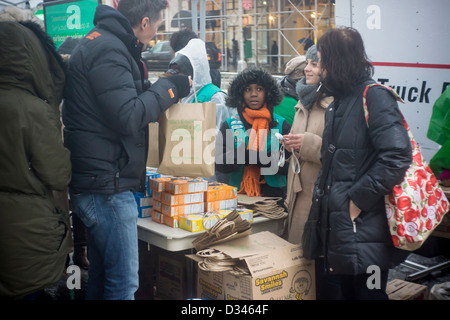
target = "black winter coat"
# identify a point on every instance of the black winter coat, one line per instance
(107, 107)
(367, 164)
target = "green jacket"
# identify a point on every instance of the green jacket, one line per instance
(439, 132)
(286, 109)
(35, 235)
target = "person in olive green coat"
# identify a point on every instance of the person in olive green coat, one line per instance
(35, 235)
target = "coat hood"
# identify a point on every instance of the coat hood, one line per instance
(29, 61)
(287, 85)
(195, 51)
(104, 14)
(274, 95)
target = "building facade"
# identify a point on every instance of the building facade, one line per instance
(267, 33)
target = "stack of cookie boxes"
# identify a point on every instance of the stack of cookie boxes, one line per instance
(220, 200)
(183, 202)
(144, 200)
(176, 196)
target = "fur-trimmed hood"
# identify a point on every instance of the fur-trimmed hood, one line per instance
(253, 75)
(29, 61)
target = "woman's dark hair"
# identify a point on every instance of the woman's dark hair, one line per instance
(344, 59)
(136, 10)
(235, 98)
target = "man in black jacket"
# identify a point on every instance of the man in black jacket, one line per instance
(106, 112)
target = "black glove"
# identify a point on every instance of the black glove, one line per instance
(181, 82)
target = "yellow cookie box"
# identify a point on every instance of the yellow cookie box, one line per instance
(198, 222)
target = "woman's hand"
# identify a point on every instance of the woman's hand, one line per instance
(293, 141)
(354, 211)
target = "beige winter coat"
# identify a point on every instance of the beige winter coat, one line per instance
(300, 186)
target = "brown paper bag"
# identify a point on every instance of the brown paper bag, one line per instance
(153, 145)
(187, 140)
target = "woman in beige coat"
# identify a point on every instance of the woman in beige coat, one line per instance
(305, 140)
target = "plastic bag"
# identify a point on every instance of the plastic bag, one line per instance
(440, 291)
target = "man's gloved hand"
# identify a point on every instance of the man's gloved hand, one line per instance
(182, 83)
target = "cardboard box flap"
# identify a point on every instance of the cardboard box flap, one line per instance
(277, 259)
(252, 244)
(403, 290)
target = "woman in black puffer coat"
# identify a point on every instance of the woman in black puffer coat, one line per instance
(367, 163)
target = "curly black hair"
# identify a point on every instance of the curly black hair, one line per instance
(253, 75)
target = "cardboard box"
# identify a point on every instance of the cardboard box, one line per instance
(403, 290)
(145, 212)
(184, 209)
(157, 205)
(170, 221)
(277, 271)
(158, 184)
(144, 204)
(443, 229)
(171, 275)
(198, 222)
(182, 185)
(219, 191)
(210, 285)
(157, 195)
(221, 204)
(178, 199)
(143, 200)
(157, 216)
(150, 174)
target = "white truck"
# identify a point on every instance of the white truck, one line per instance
(408, 42)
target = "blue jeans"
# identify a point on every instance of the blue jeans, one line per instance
(111, 222)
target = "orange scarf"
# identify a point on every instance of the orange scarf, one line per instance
(259, 119)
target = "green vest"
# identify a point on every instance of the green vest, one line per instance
(206, 92)
(240, 136)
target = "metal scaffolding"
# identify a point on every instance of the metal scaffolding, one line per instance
(269, 33)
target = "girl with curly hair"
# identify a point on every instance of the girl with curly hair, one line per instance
(250, 148)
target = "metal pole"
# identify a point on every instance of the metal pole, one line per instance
(224, 28)
(255, 5)
(202, 19)
(241, 63)
(315, 21)
(427, 271)
(279, 37)
(194, 16)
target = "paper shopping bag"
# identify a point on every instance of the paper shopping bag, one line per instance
(153, 146)
(187, 140)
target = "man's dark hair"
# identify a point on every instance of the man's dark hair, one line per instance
(136, 10)
(344, 58)
(180, 39)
